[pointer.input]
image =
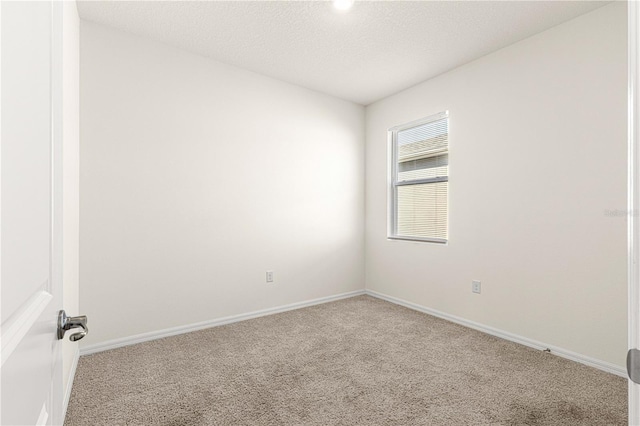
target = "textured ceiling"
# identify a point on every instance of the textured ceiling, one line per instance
(376, 49)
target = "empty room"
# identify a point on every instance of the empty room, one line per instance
(319, 213)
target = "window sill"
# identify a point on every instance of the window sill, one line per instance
(418, 239)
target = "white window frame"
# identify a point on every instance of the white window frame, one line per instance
(393, 180)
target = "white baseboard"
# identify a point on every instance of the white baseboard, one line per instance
(573, 356)
(145, 337)
(153, 335)
(72, 375)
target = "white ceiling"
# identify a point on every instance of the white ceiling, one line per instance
(376, 49)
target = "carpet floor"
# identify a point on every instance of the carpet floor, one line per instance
(357, 361)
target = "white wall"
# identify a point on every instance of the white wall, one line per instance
(197, 177)
(70, 178)
(538, 153)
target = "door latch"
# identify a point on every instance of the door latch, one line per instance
(633, 365)
(67, 323)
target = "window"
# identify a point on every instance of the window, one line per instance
(420, 180)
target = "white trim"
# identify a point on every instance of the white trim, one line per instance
(72, 375)
(573, 356)
(420, 121)
(145, 337)
(633, 185)
(392, 178)
(1, 337)
(56, 246)
(153, 335)
(43, 417)
(16, 327)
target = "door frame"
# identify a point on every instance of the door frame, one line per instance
(57, 167)
(633, 202)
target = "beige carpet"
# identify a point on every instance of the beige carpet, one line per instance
(358, 361)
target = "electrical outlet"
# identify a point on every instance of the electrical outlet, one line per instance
(475, 286)
(269, 276)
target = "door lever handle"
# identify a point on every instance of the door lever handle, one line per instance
(67, 323)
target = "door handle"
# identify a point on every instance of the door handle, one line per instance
(67, 323)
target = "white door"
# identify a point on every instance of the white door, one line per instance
(30, 225)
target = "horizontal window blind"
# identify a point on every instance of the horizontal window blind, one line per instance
(422, 210)
(420, 181)
(423, 140)
(424, 168)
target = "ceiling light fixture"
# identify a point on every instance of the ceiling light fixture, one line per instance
(343, 4)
